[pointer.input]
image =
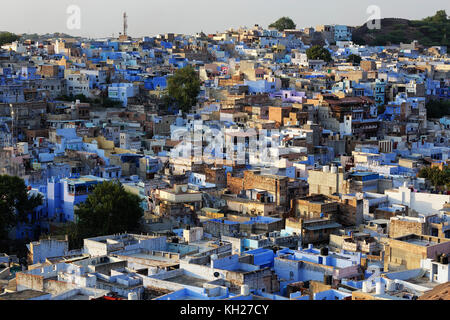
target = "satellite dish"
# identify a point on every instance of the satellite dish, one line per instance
(216, 274)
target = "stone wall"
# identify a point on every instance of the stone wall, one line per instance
(235, 184)
(398, 228)
(29, 281)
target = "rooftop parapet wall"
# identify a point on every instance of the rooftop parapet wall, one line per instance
(26, 281)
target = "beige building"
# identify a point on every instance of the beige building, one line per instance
(193, 234)
(251, 207)
(326, 181)
(312, 207)
(406, 252)
(433, 225)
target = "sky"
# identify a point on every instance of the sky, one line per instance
(103, 18)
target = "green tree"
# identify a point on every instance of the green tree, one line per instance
(439, 17)
(108, 209)
(354, 58)
(438, 108)
(15, 203)
(109, 103)
(440, 179)
(184, 87)
(283, 24)
(318, 53)
(8, 37)
(165, 102)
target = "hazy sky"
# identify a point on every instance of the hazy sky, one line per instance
(100, 18)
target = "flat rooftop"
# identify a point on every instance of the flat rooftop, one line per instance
(187, 281)
(363, 174)
(22, 295)
(380, 221)
(420, 242)
(148, 256)
(84, 179)
(79, 297)
(150, 260)
(188, 297)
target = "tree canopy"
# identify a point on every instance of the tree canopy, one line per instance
(440, 179)
(15, 203)
(439, 17)
(107, 210)
(8, 37)
(354, 58)
(283, 24)
(184, 87)
(438, 108)
(430, 31)
(318, 53)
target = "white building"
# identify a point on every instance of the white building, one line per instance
(438, 271)
(423, 203)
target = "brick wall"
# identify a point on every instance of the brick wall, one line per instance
(274, 185)
(216, 176)
(235, 184)
(49, 71)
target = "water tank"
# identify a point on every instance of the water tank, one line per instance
(324, 251)
(245, 290)
(132, 296)
(379, 287)
(444, 259)
(310, 246)
(326, 169)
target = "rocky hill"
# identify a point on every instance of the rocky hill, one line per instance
(431, 31)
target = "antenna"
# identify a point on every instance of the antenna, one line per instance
(125, 23)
